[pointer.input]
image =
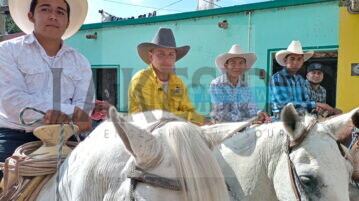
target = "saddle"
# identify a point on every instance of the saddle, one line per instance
(33, 164)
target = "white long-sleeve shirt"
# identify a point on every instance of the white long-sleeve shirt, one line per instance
(30, 78)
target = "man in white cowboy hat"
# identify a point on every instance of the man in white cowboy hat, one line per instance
(287, 85)
(232, 99)
(158, 87)
(39, 70)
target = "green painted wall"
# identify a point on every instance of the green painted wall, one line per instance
(273, 25)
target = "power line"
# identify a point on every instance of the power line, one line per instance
(142, 6)
(212, 3)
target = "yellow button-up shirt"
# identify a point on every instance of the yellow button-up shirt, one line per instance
(146, 92)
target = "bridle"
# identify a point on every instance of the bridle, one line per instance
(294, 178)
(138, 175)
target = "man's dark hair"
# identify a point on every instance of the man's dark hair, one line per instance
(34, 3)
(286, 56)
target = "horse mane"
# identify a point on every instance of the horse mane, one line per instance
(197, 168)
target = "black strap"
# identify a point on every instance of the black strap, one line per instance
(133, 184)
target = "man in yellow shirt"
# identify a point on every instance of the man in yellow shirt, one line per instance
(158, 87)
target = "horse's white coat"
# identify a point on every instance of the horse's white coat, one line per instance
(96, 169)
(255, 162)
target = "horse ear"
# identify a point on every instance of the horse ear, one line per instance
(337, 123)
(291, 121)
(141, 144)
(217, 133)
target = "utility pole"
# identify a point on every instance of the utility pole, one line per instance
(4, 10)
(205, 4)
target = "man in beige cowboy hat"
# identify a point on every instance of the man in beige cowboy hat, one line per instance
(287, 85)
(232, 99)
(158, 87)
(39, 70)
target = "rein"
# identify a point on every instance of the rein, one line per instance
(294, 178)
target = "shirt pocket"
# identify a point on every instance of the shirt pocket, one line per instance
(176, 102)
(36, 77)
(72, 74)
(69, 80)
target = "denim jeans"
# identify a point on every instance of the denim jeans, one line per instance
(10, 139)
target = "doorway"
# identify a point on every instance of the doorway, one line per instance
(105, 80)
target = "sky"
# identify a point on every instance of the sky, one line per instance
(129, 8)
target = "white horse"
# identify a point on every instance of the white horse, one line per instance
(167, 160)
(255, 162)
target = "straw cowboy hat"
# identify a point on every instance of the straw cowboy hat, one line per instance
(20, 8)
(235, 51)
(294, 48)
(164, 38)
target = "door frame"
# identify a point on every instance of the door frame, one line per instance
(94, 67)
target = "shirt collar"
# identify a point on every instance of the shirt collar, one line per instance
(31, 39)
(310, 86)
(286, 73)
(150, 66)
(225, 80)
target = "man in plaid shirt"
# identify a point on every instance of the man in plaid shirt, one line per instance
(287, 86)
(232, 98)
(315, 76)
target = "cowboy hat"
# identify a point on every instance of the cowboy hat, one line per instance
(20, 8)
(235, 51)
(294, 48)
(164, 38)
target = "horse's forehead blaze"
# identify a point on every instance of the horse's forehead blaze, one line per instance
(301, 156)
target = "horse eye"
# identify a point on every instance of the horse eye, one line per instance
(305, 179)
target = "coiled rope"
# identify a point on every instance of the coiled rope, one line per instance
(23, 165)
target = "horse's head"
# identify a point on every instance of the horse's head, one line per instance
(321, 167)
(346, 137)
(171, 159)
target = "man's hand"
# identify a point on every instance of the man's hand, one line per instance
(82, 120)
(207, 122)
(318, 111)
(326, 107)
(262, 118)
(56, 117)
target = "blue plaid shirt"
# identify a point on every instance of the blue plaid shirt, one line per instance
(231, 103)
(317, 95)
(287, 88)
